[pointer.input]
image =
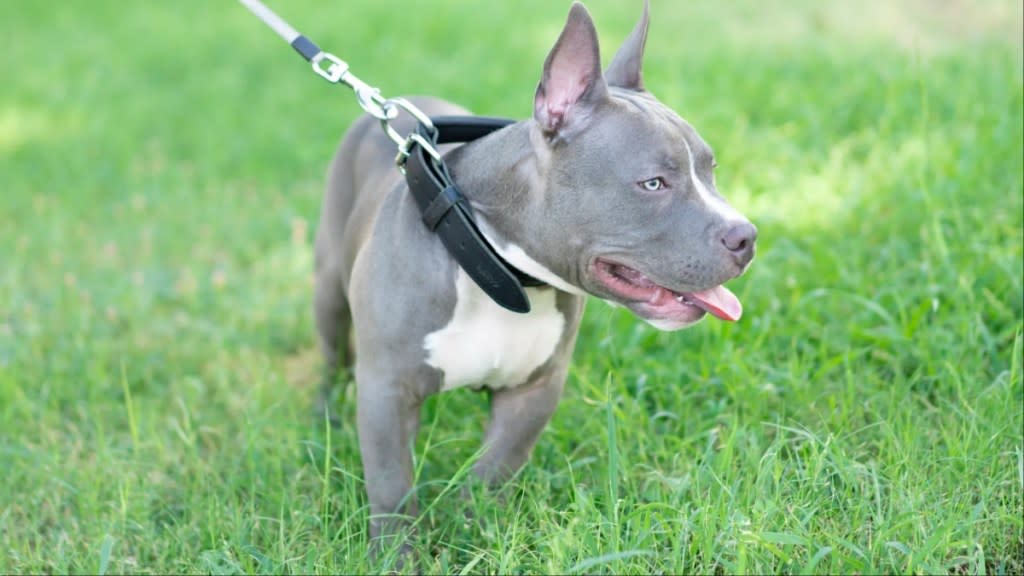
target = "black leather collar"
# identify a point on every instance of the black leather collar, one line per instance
(448, 214)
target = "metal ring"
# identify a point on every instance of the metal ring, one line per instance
(374, 104)
(405, 149)
(332, 73)
(415, 112)
(427, 145)
(392, 133)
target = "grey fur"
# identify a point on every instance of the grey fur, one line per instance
(562, 187)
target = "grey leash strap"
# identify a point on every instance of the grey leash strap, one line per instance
(283, 29)
(336, 71)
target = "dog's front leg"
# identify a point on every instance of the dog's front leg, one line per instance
(388, 419)
(518, 416)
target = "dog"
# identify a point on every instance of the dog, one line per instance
(604, 192)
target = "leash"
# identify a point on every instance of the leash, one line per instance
(336, 71)
(444, 209)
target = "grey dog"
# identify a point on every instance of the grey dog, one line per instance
(605, 192)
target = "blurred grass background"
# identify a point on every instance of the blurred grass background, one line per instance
(161, 166)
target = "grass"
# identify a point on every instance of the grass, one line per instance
(161, 166)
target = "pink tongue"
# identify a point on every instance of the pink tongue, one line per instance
(720, 302)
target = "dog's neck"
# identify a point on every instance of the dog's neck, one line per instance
(494, 173)
(501, 176)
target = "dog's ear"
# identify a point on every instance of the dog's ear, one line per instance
(624, 71)
(572, 83)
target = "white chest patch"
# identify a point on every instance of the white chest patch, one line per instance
(487, 345)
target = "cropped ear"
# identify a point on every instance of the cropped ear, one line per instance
(624, 71)
(572, 83)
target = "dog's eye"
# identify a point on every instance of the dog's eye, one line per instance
(653, 185)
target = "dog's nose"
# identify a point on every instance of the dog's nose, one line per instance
(739, 241)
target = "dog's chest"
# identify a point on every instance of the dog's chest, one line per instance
(486, 345)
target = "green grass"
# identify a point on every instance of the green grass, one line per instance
(161, 165)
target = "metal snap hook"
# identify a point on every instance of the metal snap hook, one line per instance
(335, 70)
(372, 102)
(415, 112)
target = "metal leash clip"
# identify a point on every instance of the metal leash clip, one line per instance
(405, 144)
(444, 210)
(336, 71)
(383, 109)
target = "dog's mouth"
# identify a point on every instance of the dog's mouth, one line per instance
(667, 307)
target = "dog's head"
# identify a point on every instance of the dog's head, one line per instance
(640, 221)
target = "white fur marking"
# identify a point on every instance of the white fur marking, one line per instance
(487, 345)
(515, 256)
(723, 208)
(669, 325)
(518, 258)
